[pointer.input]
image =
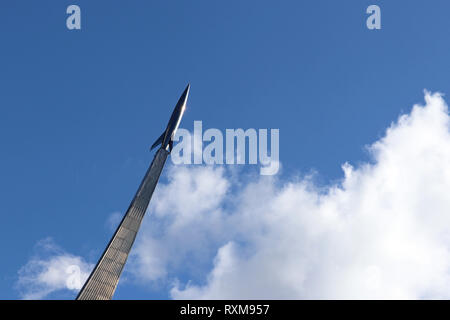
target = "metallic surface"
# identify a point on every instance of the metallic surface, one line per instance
(103, 280)
(166, 137)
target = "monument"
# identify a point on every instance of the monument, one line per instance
(103, 280)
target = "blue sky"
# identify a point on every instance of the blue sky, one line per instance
(79, 109)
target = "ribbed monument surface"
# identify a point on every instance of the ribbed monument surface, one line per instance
(103, 281)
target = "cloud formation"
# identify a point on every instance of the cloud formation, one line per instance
(383, 231)
(51, 269)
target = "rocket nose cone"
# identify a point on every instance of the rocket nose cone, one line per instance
(184, 96)
(186, 91)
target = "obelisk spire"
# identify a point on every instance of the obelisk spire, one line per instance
(103, 280)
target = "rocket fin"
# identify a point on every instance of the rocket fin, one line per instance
(159, 141)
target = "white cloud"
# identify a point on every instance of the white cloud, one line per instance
(180, 231)
(382, 232)
(51, 269)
